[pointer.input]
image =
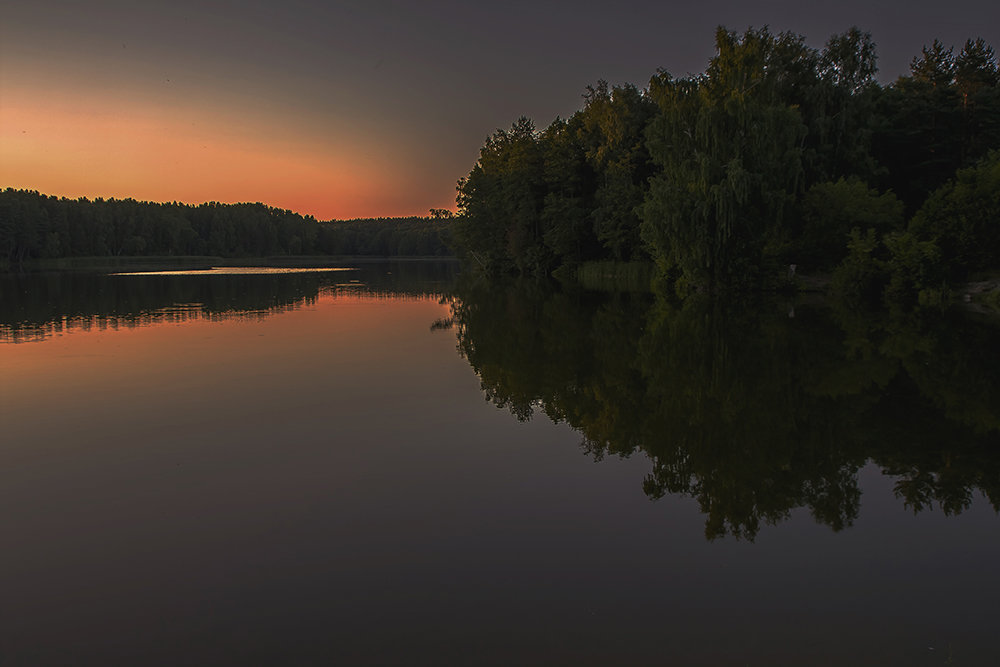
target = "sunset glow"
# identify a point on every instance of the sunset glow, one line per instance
(86, 146)
(339, 110)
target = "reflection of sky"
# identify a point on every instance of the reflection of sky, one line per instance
(352, 109)
(37, 306)
(328, 486)
(235, 271)
(176, 314)
(110, 309)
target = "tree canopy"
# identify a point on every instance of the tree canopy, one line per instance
(769, 157)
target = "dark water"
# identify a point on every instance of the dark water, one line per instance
(301, 468)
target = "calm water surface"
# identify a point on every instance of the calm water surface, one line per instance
(348, 468)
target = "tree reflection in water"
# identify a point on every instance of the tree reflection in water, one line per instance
(35, 306)
(753, 409)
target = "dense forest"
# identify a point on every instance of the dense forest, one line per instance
(35, 226)
(778, 154)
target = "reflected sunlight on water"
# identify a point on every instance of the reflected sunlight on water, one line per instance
(34, 307)
(235, 271)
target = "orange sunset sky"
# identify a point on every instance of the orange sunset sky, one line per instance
(351, 109)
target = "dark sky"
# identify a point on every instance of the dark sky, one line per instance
(348, 109)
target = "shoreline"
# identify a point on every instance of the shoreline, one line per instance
(195, 262)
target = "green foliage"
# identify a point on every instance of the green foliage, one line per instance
(569, 183)
(837, 103)
(945, 116)
(963, 219)
(955, 233)
(829, 211)
(568, 194)
(722, 179)
(914, 268)
(975, 68)
(729, 149)
(614, 122)
(896, 269)
(935, 65)
(860, 277)
(501, 200)
(849, 61)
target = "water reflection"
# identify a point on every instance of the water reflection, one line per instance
(754, 410)
(236, 271)
(34, 307)
(750, 411)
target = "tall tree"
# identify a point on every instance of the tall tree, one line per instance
(500, 201)
(614, 123)
(944, 116)
(838, 108)
(569, 182)
(975, 69)
(935, 65)
(730, 151)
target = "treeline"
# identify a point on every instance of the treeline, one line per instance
(36, 226)
(390, 237)
(771, 157)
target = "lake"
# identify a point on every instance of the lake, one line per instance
(397, 464)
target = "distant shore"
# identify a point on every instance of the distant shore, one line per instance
(161, 263)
